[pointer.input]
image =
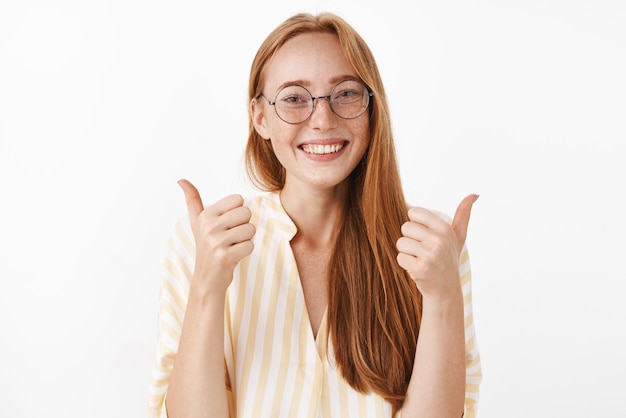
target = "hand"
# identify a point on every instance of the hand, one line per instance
(223, 235)
(429, 248)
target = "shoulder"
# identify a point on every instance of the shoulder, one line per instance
(267, 210)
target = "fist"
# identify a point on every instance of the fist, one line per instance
(429, 248)
(222, 232)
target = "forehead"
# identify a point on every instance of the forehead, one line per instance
(310, 59)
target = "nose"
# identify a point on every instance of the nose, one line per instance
(315, 99)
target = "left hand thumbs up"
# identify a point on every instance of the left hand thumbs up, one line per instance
(461, 219)
(429, 248)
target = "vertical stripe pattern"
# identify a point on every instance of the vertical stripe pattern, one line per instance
(275, 366)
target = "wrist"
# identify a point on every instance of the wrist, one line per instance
(449, 303)
(204, 293)
(209, 281)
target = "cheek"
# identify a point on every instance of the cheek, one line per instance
(277, 129)
(362, 134)
(280, 134)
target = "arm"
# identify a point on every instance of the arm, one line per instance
(197, 387)
(178, 265)
(430, 250)
(223, 234)
(437, 386)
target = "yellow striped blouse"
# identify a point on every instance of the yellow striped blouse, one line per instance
(275, 367)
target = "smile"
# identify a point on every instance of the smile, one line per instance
(322, 149)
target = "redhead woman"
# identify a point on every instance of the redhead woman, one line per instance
(326, 295)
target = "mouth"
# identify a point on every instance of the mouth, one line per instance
(319, 149)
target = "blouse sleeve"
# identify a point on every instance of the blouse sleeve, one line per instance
(178, 267)
(472, 356)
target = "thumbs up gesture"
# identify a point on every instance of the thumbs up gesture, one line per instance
(223, 235)
(429, 248)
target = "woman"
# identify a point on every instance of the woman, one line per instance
(323, 296)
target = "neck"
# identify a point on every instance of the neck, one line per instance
(317, 213)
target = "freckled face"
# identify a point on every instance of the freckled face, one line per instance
(322, 151)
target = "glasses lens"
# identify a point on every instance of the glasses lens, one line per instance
(294, 104)
(349, 99)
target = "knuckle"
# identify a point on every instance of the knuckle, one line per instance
(405, 245)
(222, 257)
(239, 199)
(235, 201)
(437, 244)
(243, 213)
(402, 261)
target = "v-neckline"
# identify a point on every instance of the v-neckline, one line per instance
(320, 339)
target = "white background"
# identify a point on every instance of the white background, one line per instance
(105, 104)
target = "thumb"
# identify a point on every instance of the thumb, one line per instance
(461, 218)
(192, 197)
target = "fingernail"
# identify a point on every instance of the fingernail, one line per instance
(477, 196)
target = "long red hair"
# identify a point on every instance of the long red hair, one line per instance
(374, 307)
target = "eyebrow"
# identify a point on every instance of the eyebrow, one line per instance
(306, 83)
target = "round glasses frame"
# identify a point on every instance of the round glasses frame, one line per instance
(368, 94)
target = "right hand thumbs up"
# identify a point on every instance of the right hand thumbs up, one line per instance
(223, 235)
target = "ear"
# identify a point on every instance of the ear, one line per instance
(257, 112)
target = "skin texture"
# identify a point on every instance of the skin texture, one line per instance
(315, 62)
(314, 194)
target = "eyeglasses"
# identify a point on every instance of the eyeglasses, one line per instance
(295, 104)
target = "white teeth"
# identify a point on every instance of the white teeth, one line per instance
(322, 149)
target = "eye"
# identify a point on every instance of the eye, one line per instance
(294, 96)
(292, 99)
(347, 95)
